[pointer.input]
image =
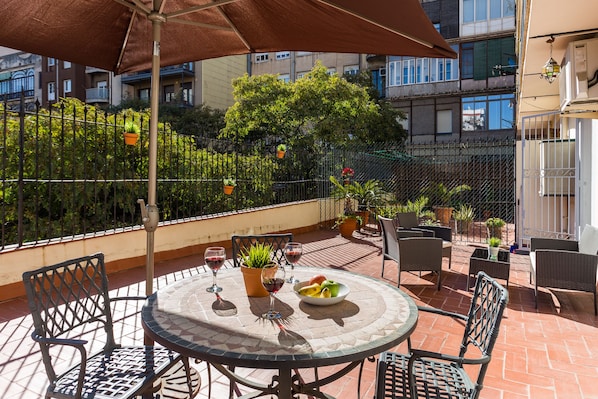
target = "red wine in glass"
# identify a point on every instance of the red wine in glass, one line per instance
(272, 280)
(293, 252)
(214, 257)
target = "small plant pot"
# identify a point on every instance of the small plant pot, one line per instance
(443, 214)
(252, 277)
(131, 138)
(495, 231)
(228, 190)
(493, 253)
(280, 154)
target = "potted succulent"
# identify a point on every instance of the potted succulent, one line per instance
(131, 133)
(494, 226)
(229, 185)
(281, 149)
(441, 193)
(493, 247)
(253, 260)
(463, 217)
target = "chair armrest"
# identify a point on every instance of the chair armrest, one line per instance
(446, 233)
(418, 354)
(565, 269)
(78, 343)
(442, 312)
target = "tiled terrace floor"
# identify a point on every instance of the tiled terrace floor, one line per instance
(551, 352)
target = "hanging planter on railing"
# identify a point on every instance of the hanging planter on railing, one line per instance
(229, 185)
(281, 150)
(131, 133)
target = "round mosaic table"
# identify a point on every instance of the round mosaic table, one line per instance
(227, 330)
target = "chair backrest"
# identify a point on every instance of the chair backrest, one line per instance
(407, 220)
(483, 320)
(390, 244)
(277, 241)
(68, 295)
(420, 254)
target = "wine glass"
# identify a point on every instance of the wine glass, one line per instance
(293, 252)
(214, 257)
(272, 280)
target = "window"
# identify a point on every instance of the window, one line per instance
(301, 74)
(483, 10)
(51, 61)
(409, 70)
(169, 93)
(444, 121)
(493, 112)
(261, 57)
(479, 59)
(467, 61)
(66, 65)
(51, 91)
(331, 71)
(66, 86)
(283, 55)
(351, 69)
(285, 77)
(144, 94)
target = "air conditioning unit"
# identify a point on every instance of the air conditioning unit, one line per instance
(579, 77)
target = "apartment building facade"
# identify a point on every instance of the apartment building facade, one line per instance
(18, 71)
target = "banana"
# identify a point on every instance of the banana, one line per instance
(310, 290)
(325, 293)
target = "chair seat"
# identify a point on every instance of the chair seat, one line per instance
(121, 373)
(439, 380)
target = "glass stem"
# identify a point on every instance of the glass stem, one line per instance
(271, 302)
(214, 277)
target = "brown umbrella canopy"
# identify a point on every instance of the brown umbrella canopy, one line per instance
(117, 34)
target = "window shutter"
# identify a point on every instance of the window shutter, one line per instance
(479, 61)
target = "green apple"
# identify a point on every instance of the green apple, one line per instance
(333, 286)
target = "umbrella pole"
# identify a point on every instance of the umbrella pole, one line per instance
(157, 20)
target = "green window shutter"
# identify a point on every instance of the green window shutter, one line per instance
(494, 56)
(508, 50)
(479, 61)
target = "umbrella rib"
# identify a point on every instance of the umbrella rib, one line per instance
(371, 21)
(200, 24)
(126, 40)
(239, 35)
(136, 5)
(208, 6)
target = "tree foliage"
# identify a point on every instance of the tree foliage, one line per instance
(320, 107)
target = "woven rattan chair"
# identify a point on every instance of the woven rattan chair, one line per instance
(433, 375)
(410, 253)
(557, 263)
(277, 241)
(70, 298)
(408, 221)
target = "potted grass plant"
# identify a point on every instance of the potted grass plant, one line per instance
(493, 247)
(253, 259)
(229, 185)
(131, 132)
(494, 226)
(281, 149)
(463, 217)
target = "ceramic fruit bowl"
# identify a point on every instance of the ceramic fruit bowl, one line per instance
(343, 291)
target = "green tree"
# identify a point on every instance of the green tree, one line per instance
(320, 106)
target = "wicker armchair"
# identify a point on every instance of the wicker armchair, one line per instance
(433, 375)
(71, 296)
(409, 221)
(412, 253)
(557, 263)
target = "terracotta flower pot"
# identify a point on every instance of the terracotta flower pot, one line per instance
(347, 227)
(253, 281)
(131, 138)
(280, 154)
(228, 190)
(443, 214)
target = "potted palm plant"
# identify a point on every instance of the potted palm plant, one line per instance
(131, 132)
(253, 260)
(229, 185)
(281, 149)
(444, 196)
(368, 195)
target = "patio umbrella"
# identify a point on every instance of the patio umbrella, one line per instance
(130, 35)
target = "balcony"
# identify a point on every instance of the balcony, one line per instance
(97, 95)
(183, 70)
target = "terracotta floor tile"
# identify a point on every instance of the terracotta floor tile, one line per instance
(545, 353)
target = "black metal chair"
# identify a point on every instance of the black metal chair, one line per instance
(411, 251)
(434, 375)
(66, 301)
(277, 241)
